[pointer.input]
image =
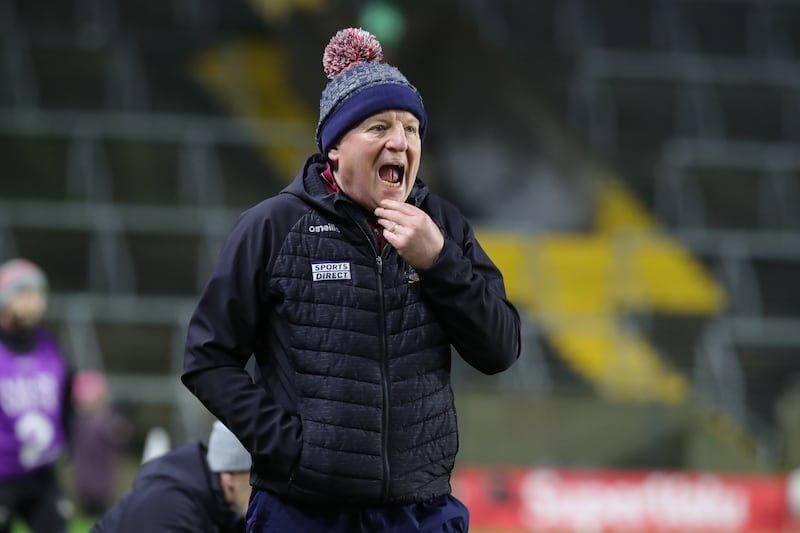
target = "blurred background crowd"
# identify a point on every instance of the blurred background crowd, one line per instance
(632, 166)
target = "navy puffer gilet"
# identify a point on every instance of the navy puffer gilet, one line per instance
(369, 366)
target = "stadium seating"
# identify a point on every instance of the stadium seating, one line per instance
(126, 160)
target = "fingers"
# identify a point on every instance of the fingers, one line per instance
(388, 218)
(399, 213)
(389, 225)
(393, 205)
(411, 232)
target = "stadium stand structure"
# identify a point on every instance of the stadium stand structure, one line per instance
(121, 177)
(695, 102)
(132, 133)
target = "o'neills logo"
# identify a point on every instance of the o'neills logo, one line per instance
(330, 271)
(320, 228)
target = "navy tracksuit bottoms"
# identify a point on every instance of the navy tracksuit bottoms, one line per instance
(268, 513)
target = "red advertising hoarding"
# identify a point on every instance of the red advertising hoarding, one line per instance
(545, 500)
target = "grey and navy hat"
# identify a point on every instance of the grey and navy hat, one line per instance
(225, 452)
(18, 275)
(361, 85)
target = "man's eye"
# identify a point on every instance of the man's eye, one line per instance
(411, 129)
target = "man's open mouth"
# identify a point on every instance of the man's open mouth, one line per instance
(392, 175)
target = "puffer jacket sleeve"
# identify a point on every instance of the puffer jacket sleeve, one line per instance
(221, 337)
(468, 294)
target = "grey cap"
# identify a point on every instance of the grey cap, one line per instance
(225, 452)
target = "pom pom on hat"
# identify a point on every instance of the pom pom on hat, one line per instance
(348, 47)
(17, 275)
(225, 452)
(360, 85)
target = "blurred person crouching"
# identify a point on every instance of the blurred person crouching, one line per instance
(34, 404)
(192, 488)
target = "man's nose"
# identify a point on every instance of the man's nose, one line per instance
(397, 138)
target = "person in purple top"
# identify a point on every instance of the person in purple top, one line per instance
(34, 391)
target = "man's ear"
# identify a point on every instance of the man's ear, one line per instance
(333, 156)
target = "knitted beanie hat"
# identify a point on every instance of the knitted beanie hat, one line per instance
(361, 85)
(17, 275)
(225, 452)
